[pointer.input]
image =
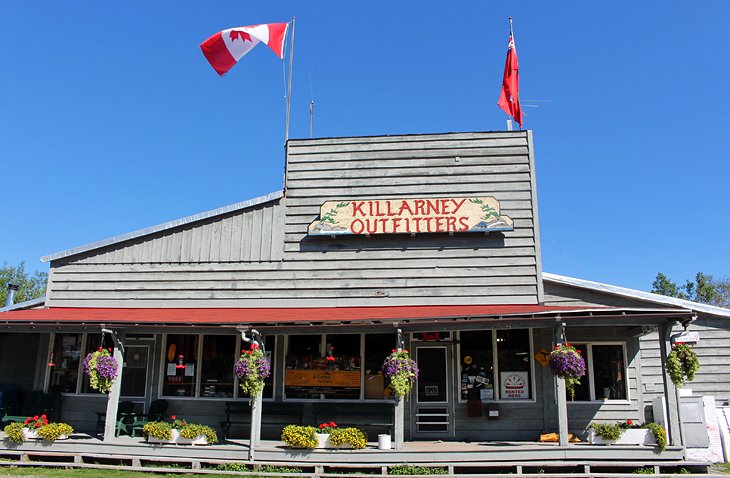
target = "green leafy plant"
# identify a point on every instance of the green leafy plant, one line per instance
(233, 466)
(354, 437)
(682, 364)
(193, 430)
(279, 469)
(660, 434)
(297, 436)
(14, 431)
(608, 431)
(644, 471)
(163, 430)
(159, 430)
(417, 470)
(54, 431)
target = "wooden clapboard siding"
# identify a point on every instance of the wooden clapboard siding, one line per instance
(222, 238)
(713, 349)
(428, 166)
(559, 294)
(261, 255)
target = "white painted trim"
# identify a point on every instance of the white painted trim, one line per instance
(636, 294)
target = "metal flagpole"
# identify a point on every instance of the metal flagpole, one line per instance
(291, 66)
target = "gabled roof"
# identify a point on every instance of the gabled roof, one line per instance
(28, 304)
(636, 294)
(162, 227)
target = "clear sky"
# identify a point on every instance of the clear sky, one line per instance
(111, 120)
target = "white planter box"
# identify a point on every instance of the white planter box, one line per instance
(178, 440)
(632, 436)
(29, 434)
(323, 440)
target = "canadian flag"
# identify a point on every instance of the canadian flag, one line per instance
(225, 48)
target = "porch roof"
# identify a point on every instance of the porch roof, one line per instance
(322, 315)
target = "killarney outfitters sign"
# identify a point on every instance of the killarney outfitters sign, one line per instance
(410, 216)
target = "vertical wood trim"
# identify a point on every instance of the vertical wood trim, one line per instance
(535, 218)
(670, 391)
(561, 395)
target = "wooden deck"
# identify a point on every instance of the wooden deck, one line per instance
(459, 457)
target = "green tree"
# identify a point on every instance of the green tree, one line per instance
(704, 289)
(32, 285)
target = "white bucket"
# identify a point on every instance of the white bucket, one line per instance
(383, 442)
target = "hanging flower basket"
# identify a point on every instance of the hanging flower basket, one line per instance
(252, 369)
(566, 362)
(102, 369)
(682, 364)
(402, 372)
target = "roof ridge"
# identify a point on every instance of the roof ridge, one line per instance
(164, 226)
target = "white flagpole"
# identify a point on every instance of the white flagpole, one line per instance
(291, 65)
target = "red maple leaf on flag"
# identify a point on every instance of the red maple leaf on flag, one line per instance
(239, 34)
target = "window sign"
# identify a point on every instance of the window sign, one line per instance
(514, 385)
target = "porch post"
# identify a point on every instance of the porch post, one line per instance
(398, 424)
(670, 391)
(561, 397)
(399, 411)
(110, 423)
(255, 439)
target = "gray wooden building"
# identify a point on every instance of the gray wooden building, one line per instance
(366, 241)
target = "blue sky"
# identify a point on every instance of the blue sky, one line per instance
(111, 120)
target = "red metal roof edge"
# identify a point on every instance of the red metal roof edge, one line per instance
(220, 316)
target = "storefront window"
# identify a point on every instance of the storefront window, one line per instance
(270, 346)
(477, 369)
(134, 375)
(180, 363)
(605, 377)
(326, 366)
(513, 355)
(303, 358)
(377, 348)
(608, 372)
(67, 360)
(219, 356)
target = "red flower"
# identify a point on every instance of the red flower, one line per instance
(182, 423)
(35, 417)
(405, 351)
(393, 350)
(243, 351)
(174, 417)
(109, 349)
(578, 350)
(323, 425)
(43, 416)
(333, 424)
(250, 352)
(254, 346)
(45, 422)
(27, 420)
(37, 424)
(630, 422)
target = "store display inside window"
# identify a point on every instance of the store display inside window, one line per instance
(181, 357)
(609, 373)
(377, 347)
(64, 363)
(513, 361)
(219, 355)
(477, 372)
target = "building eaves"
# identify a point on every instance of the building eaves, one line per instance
(162, 227)
(636, 294)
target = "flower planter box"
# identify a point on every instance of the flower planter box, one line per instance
(176, 439)
(323, 442)
(33, 435)
(632, 436)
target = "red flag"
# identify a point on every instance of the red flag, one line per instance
(509, 99)
(225, 48)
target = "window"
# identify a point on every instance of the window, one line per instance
(477, 369)
(180, 364)
(605, 373)
(67, 361)
(330, 366)
(216, 371)
(496, 365)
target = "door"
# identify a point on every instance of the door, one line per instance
(433, 411)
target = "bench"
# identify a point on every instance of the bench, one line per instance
(275, 413)
(37, 403)
(360, 414)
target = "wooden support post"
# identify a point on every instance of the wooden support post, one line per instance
(398, 427)
(561, 395)
(112, 404)
(255, 439)
(671, 397)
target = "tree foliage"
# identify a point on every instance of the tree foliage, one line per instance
(704, 289)
(32, 285)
